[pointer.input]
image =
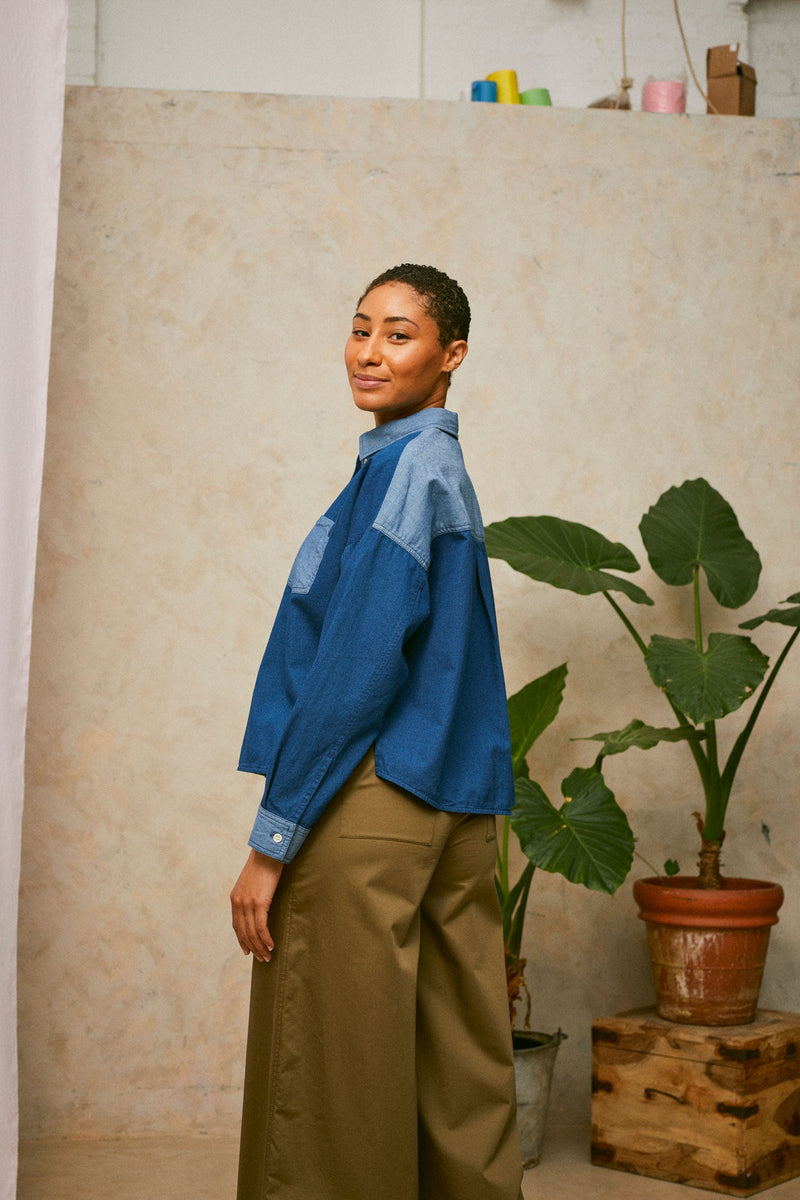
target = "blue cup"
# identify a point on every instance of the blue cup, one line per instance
(485, 89)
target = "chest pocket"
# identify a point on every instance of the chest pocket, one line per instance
(309, 556)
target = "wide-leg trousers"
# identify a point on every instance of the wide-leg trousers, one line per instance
(379, 1061)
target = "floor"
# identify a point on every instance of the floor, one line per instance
(205, 1169)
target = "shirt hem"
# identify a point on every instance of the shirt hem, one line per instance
(439, 804)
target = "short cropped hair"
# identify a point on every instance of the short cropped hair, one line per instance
(444, 300)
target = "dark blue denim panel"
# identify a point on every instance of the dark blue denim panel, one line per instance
(446, 737)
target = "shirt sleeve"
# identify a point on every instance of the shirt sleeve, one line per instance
(380, 599)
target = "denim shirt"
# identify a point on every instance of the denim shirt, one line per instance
(386, 635)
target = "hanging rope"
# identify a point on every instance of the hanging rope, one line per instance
(625, 84)
(688, 56)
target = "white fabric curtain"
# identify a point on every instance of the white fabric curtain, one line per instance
(33, 41)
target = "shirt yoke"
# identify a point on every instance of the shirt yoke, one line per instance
(430, 494)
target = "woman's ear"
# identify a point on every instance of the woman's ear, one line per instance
(456, 353)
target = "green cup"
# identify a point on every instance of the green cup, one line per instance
(535, 96)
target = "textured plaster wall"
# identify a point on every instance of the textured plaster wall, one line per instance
(634, 283)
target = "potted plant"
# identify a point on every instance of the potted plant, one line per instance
(690, 532)
(591, 843)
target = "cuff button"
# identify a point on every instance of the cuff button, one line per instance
(277, 838)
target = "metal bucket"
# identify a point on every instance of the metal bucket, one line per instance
(534, 1059)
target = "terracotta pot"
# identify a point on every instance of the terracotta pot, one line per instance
(707, 947)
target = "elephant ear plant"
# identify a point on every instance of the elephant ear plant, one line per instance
(587, 840)
(690, 532)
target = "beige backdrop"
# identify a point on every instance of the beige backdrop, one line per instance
(634, 283)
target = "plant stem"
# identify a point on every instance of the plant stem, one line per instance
(694, 746)
(626, 622)
(736, 753)
(647, 863)
(716, 800)
(708, 867)
(502, 863)
(514, 945)
(698, 620)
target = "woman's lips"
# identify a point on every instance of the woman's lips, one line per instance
(368, 381)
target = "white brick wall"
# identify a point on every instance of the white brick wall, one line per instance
(429, 48)
(775, 54)
(316, 47)
(82, 42)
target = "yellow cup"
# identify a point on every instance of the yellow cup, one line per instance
(507, 86)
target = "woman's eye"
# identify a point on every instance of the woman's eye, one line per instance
(397, 336)
(359, 333)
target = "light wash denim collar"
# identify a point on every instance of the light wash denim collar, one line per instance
(383, 435)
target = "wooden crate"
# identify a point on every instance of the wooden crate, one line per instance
(713, 1107)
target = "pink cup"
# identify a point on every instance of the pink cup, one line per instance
(664, 96)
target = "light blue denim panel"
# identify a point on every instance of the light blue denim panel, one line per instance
(383, 435)
(430, 494)
(309, 556)
(275, 836)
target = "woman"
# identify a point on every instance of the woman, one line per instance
(379, 1059)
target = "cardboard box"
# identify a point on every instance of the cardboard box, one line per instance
(731, 85)
(712, 1107)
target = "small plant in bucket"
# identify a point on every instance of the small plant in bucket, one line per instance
(587, 839)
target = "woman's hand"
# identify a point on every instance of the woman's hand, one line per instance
(251, 898)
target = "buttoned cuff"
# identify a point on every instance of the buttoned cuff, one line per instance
(275, 836)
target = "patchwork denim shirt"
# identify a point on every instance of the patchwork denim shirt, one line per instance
(387, 636)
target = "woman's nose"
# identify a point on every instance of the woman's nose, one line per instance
(368, 351)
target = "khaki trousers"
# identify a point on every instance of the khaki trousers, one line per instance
(379, 1062)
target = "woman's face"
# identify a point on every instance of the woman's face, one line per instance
(395, 362)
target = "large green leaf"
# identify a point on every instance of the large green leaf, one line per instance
(693, 526)
(642, 736)
(706, 684)
(781, 616)
(564, 554)
(531, 710)
(588, 840)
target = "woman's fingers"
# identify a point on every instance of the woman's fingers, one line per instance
(251, 899)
